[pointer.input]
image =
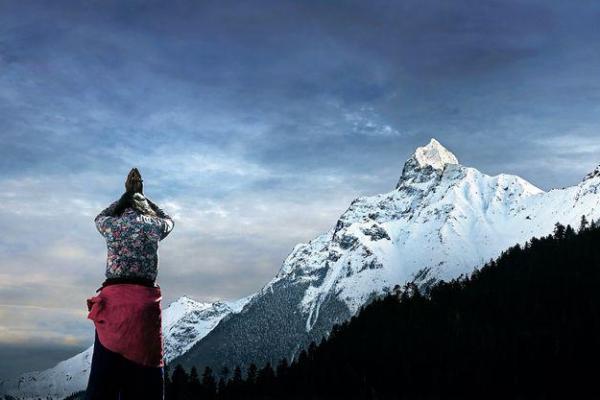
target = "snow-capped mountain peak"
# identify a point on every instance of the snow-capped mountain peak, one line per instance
(427, 163)
(442, 219)
(434, 155)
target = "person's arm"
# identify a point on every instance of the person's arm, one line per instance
(166, 222)
(103, 219)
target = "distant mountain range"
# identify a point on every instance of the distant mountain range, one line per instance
(442, 220)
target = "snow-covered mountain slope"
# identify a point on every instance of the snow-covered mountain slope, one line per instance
(443, 219)
(185, 321)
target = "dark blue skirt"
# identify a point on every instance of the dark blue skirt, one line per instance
(113, 377)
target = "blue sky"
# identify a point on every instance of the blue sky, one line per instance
(255, 124)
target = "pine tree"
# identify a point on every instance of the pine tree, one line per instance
(569, 232)
(312, 349)
(583, 225)
(209, 384)
(282, 377)
(237, 375)
(559, 231)
(224, 373)
(265, 380)
(282, 367)
(235, 385)
(222, 388)
(194, 383)
(251, 375)
(168, 383)
(180, 383)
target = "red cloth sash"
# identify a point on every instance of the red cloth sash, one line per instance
(128, 319)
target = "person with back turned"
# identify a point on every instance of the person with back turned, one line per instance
(127, 362)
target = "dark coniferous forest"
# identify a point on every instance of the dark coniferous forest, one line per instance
(526, 325)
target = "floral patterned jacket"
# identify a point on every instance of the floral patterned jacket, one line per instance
(132, 242)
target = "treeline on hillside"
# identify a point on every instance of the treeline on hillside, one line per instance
(526, 325)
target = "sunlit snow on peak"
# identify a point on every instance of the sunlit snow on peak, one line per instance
(434, 155)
